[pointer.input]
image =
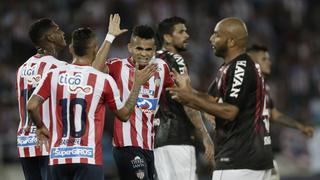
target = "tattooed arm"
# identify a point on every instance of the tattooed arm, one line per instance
(196, 119)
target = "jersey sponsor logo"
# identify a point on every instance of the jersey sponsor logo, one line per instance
(29, 72)
(238, 78)
(74, 83)
(23, 141)
(73, 151)
(147, 105)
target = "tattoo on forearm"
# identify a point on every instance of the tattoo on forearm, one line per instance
(131, 102)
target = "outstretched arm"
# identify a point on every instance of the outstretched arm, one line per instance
(113, 31)
(281, 118)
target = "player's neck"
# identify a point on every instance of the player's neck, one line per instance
(47, 50)
(81, 60)
(232, 55)
(170, 48)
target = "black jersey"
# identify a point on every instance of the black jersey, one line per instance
(174, 126)
(244, 143)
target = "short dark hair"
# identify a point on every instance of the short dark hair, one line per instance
(81, 38)
(143, 31)
(257, 48)
(166, 26)
(38, 29)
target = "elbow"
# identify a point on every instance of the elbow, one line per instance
(231, 116)
(31, 106)
(124, 118)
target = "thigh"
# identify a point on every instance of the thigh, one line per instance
(241, 174)
(131, 163)
(35, 168)
(88, 172)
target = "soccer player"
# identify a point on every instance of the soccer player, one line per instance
(78, 94)
(260, 55)
(174, 152)
(133, 140)
(48, 38)
(242, 143)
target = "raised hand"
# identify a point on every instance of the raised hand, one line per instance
(114, 25)
(143, 75)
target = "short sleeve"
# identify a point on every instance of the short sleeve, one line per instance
(44, 88)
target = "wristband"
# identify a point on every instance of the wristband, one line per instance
(109, 38)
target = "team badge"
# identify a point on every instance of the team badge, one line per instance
(140, 174)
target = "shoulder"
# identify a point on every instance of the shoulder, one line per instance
(114, 60)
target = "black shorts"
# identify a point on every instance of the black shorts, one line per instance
(76, 172)
(134, 163)
(36, 168)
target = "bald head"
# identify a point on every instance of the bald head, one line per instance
(234, 28)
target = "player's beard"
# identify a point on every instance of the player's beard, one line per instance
(180, 48)
(221, 51)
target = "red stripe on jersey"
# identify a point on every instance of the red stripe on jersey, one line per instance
(145, 131)
(259, 103)
(26, 151)
(55, 161)
(38, 151)
(41, 68)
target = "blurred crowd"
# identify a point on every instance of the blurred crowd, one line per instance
(288, 27)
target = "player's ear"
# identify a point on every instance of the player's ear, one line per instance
(71, 50)
(167, 38)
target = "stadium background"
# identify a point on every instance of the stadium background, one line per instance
(290, 28)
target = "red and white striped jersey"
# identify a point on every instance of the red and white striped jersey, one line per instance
(28, 77)
(78, 95)
(138, 131)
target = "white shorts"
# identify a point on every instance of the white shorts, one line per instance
(175, 162)
(241, 174)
